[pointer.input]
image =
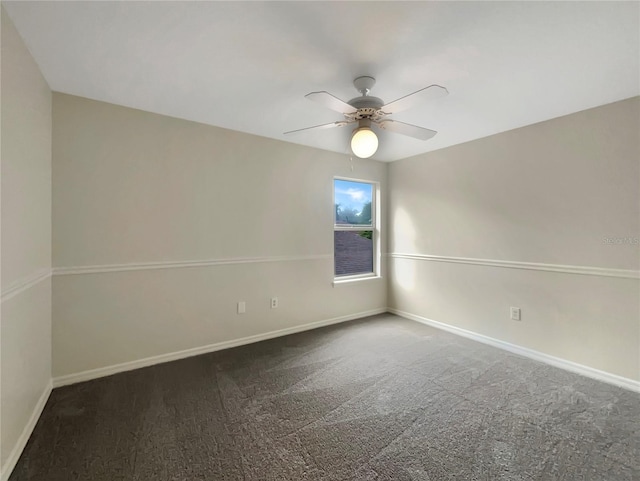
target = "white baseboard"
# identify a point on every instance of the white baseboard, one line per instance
(11, 461)
(173, 356)
(530, 353)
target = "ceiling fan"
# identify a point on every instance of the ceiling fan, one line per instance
(367, 111)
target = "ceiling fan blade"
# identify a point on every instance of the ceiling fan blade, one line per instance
(331, 102)
(403, 103)
(406, 129)
(339, 123)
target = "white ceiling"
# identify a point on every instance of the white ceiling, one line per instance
(247, 65)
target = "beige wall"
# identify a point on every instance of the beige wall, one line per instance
(25, 316)
(549, 193)
(130, 187)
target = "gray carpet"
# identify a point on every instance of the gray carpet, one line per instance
(376, 399)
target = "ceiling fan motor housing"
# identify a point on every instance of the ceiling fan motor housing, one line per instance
(368, 107)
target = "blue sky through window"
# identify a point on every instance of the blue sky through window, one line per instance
(352, 196)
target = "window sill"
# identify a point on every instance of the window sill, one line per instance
(349, 280)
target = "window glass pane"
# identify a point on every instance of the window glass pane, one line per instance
(353, 202)
(353, 252)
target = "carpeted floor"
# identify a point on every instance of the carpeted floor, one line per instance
(376, 399)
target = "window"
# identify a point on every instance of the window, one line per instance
(354, 236)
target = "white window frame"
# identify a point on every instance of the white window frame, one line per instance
(374, 227)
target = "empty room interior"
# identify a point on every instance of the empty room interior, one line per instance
(320, 241)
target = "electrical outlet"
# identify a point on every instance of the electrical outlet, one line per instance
(274, 302)
(515, 313)
(242, 307)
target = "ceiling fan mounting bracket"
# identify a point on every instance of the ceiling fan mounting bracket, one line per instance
(364, 84)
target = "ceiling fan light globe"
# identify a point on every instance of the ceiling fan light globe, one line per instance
(364, 142)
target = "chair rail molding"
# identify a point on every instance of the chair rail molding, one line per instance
(535, 266)
(142, 266)
(24, 284)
